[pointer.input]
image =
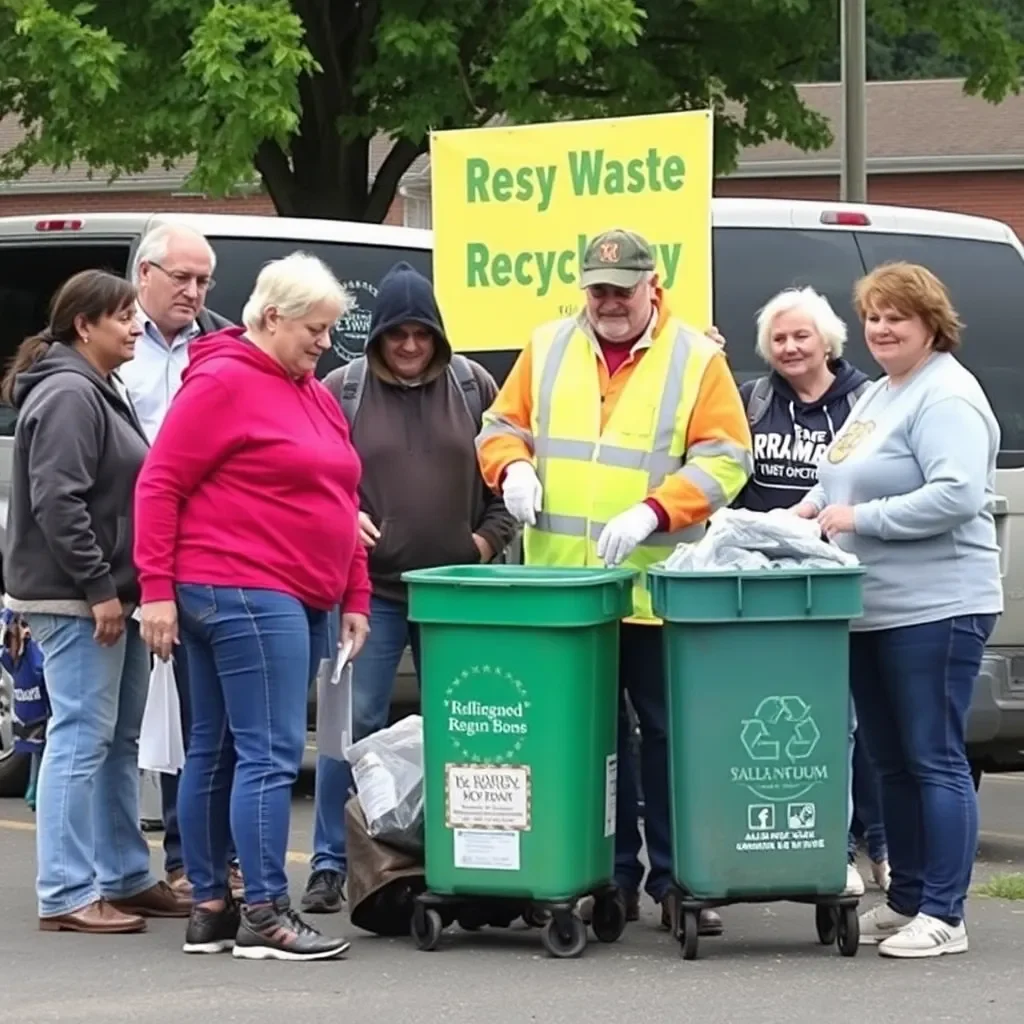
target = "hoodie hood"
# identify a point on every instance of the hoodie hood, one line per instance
(61, 358)
(232, 346)
(848, 377)
(406, 296)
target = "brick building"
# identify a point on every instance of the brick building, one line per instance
(928, 145)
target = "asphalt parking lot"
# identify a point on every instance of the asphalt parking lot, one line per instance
(767, 968)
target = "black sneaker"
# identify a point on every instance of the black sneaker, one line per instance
(276, 932)
(324, 893)
(212, 931)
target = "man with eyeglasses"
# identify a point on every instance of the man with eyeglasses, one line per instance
(615, 437)
(173, 274)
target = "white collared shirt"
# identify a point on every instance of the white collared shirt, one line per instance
(154, 375)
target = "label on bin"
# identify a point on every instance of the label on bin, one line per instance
(488, 711)
(781, 772)
(611, 779)
(487, 796)
(486, 850)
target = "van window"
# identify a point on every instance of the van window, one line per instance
(30, 274)
(358, 267)
(986, 283)
(751, 265)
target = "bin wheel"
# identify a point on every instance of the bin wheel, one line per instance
(689, 934)
(848, 931)
(426, 928)
(826, 920)
(609, 918)
(562, 946)
(468, 924)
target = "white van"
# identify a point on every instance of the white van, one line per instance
(759, 247)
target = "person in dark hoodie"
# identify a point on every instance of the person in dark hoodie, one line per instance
(795, 412)
(78, 448)
(415, 409)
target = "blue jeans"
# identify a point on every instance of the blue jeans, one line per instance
(373, 683)
(913, 688)
(642, 676)
(88, 841)
(174, 858)
(251, 654)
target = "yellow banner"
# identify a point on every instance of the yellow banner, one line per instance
(514, 208)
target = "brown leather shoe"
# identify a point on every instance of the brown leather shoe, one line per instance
(99, 918)
(158, 900)
(179, 883)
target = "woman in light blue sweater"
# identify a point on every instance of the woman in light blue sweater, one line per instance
(907, 486)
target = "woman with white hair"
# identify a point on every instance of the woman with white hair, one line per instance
(795, 412)
(247, 538)
(796, 409)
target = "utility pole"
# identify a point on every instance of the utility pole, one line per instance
(853, 181)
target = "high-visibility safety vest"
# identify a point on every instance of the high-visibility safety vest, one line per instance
(590, 475)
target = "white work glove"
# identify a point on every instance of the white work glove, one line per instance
(622, 534)
(522, 492)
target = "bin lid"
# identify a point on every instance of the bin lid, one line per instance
(501, 575)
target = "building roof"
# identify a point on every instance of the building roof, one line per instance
(912, 126)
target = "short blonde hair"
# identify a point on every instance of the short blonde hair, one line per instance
(293, 286)
(814, 306)
(912, 290)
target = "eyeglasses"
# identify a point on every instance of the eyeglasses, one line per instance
(183, 280)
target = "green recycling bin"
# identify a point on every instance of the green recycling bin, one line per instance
(519, 675)
(757, 666)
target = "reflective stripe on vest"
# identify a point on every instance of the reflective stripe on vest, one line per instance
(590, 475)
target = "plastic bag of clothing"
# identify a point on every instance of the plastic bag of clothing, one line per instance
(387, 768)
(383, 881)
(740, 539)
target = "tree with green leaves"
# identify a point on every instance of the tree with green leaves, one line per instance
(290, 93)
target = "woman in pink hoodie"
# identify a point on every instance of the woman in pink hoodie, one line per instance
(246, 539)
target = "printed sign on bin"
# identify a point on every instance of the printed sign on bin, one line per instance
(780, 773)
(514, 208)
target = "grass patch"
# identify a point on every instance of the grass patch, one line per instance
(1004, 887)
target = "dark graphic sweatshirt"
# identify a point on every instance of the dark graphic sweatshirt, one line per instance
(791, 436)
(421, 484)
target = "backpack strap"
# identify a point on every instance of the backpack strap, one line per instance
(854, 396)
(461, 370)
(351, 392)
(759, 400)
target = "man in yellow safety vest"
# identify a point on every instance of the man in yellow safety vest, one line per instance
(615, 436)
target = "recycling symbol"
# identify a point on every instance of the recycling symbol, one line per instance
(779, 719)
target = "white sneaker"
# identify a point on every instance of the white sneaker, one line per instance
(854, 882)
(925, 936)
(880, 923)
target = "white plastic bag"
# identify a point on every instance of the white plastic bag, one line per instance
(161, 744)
(740, 539)
(387, 768)
(334, 705)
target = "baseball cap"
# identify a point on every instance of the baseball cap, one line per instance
(617, 257)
